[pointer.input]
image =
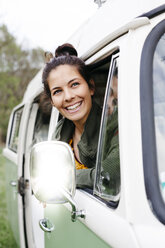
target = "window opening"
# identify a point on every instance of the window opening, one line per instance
(99, 73)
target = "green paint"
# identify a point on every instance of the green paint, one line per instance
(68, 234)
(11, 195)
(6, 236)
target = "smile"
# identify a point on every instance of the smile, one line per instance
(73, 107)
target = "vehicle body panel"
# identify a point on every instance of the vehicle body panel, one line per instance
(132, 223)
(68, 233)
(11, 197)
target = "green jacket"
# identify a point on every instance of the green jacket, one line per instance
(110, 161)
(87, 145)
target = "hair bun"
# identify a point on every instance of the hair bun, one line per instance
(65, 50)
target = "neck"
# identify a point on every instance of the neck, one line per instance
(79, 126)
(78, 130)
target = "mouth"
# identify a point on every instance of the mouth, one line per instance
(74, 107)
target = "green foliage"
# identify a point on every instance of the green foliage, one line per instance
(6, 237)
(17, 67)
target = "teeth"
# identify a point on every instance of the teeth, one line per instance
(73, 106)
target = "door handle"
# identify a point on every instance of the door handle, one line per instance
(46, 225)
(13, 183)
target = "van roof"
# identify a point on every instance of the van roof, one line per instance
(34, 87)
(110, 21)
(111, 18)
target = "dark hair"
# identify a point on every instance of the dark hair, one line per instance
(45, 108)
(65, 54)
(66, 49)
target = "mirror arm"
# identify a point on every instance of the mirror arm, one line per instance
(75, 212)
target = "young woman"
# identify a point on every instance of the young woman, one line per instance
(68, 83)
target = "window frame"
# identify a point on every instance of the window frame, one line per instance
(149, 152)
(112, 203)
(13, 126)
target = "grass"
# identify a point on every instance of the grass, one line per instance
(6, 237)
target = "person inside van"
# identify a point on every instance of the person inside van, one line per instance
(110, 157)
(68, 84)
(112, 100)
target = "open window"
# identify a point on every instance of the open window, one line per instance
(107, 183)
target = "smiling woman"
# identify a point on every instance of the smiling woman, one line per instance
(68, 83)
(70, 94)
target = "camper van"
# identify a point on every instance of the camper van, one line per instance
(127, 37)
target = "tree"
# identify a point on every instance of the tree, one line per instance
(17, 67)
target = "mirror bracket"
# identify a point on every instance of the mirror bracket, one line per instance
(75, 212)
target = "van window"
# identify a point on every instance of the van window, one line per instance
(152, 100)
(159, 108)
(107, 185)
(13, 140)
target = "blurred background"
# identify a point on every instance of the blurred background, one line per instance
(28, 28)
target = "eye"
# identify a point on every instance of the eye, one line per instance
(56, 92)
(75, 84)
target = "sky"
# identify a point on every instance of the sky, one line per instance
(44, 23)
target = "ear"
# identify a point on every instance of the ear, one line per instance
(92, 86)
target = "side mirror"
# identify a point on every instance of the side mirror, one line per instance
(53, 174)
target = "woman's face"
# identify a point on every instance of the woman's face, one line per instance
(70, 93)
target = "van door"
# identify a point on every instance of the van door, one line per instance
(14, 160)
(37, 131)
(105, 218)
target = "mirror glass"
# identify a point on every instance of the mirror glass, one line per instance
(52, 171)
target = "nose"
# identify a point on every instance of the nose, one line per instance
(68, 95)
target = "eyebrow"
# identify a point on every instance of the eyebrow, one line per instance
(58, 87)
(72, 80)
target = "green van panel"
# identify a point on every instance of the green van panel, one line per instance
(11, 197)
(68, 234)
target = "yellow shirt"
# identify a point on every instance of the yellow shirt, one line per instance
(79, 165)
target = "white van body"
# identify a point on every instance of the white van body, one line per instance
(127, 31)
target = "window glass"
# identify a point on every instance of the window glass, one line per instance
(13, 141)
(107, 185)
(100, 76)
(159, 108)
